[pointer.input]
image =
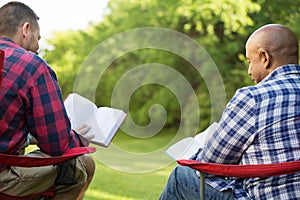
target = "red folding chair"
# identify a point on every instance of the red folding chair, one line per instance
(240, 171)
(28, 161)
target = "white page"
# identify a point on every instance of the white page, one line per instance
(184, 149)
(204, 136)
(187, 147)
(108, 120)
(104, 121)
(80, 110)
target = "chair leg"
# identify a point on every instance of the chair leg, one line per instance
(202, 186)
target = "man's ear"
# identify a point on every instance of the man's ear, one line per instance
(265, 58)
(25, 30)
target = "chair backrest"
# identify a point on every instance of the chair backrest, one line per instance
(244, 171)
(28, 161)
(240, 171)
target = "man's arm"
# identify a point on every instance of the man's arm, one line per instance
(235, 132)
(47, 118)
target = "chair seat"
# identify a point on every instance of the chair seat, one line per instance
(29, 161)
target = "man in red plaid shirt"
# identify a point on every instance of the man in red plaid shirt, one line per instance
(31, 102)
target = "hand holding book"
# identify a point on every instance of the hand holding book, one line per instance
(83, 130)
(103, 122)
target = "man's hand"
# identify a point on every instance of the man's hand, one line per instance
(30, 140)
(83, 130)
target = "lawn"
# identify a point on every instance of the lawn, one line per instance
(130, 169)
(122, 175)
(109, 184)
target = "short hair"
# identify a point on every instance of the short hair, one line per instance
(14, 14)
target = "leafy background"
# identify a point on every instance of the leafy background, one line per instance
(221, 27)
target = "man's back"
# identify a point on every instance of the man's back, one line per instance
(277, 128)
(260, 126)
(20, 75)
(31, 102)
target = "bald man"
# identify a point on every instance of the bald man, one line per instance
(260, 125)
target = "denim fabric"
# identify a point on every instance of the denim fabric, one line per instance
(184, 183)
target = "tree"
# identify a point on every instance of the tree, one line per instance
(221, 27)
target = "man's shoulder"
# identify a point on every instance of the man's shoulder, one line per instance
(37, 67)
(15, 53)
(27, 65)
(256, 92)
(29, 60)
(287, 78)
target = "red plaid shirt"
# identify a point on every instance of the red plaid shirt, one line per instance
(31, 102)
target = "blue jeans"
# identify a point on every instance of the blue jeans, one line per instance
(184, 183)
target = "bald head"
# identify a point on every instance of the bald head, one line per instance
(279, 41)
(269, 47)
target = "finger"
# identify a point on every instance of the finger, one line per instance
(83, 129)
(90, 136)
(80, 127)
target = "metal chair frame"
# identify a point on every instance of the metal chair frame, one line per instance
(240, 171)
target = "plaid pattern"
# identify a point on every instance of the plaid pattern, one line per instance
(260, 125)
(31, 101)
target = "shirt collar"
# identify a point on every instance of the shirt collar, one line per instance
(281, 71)
(7, 39)
(10, 42)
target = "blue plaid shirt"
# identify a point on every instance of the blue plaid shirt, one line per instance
(260, 125)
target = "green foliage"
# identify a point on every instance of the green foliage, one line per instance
(221, 27)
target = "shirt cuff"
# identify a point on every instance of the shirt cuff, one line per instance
(83, 140)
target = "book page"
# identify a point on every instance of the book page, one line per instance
(204, 135)
(80, 110)
(187, 147)
(184, 149)
(108, 122)
(104, 121)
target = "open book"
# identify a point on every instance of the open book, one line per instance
(104, 121)
(187, 147)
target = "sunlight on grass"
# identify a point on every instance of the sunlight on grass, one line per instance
(105, 196)
(109, 184)
(112, 184)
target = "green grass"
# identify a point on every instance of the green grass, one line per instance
(119, 177)
(130, 169)
(109, 184)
